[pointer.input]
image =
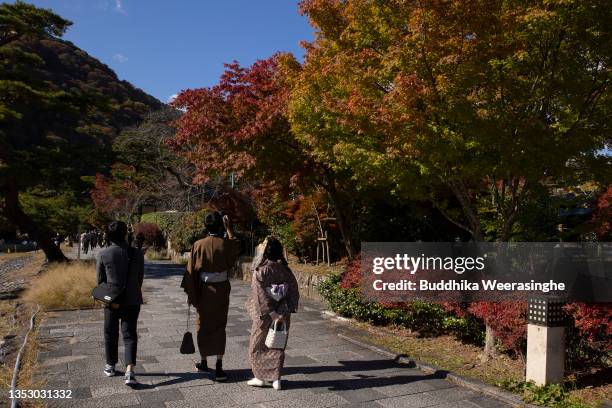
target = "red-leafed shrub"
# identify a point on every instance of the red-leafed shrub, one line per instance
(152, 234)
(589, 335)
(593, 322)
(108, 195)
(351, 277)
(457, 309)
(506, 319)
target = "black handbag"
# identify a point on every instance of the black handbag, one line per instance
(109, 292)
(187, 346)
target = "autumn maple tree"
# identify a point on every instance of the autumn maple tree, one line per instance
(485, 98)
(240, 126)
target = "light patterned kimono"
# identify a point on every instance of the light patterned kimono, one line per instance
(268, 363)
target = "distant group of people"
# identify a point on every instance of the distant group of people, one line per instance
(274, 297)
(92, 239)
(95, 238)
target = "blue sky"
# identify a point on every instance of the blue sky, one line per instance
(164, 46)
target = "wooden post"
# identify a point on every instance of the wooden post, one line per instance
(327, 249)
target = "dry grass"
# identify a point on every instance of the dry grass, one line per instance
(320, 269)
(8, 319)
(15, 320)
(451, 354)
(64, 286)
(27, 379)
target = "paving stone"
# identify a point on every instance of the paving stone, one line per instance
(396, 387)
(56, 353)
(366, 404)
(299, 361)
(487, 402)
(360, 395)
(107, 390)
(426, 399)
(151, 397)
(112, 401)
(216, 402)
(312, 401)
(81, 392)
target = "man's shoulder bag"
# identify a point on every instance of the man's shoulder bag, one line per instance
(108, 293)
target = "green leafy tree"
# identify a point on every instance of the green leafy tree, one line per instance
(156, 175)
(60, 211)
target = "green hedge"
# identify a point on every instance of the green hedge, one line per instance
(181, 228)
(167, 221)
(425, 318)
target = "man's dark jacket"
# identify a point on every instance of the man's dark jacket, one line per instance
(122, 266)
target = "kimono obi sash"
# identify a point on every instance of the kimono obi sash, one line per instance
(277, 292)
(213, 277)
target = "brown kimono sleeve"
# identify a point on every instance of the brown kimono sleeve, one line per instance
(191, 280)
(234, 249)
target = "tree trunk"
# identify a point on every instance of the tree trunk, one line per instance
(20, 219)
(461, 193)
(471, 214)
(489, 347)
(345, 231)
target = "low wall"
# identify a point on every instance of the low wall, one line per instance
(307, 282)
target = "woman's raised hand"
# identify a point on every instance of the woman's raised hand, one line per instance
(227, 225)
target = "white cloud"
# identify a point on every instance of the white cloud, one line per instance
(120, 58)
(119, 6)
(172, 97)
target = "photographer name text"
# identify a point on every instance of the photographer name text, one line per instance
(464, 285)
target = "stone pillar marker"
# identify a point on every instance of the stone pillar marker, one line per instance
(545, 340)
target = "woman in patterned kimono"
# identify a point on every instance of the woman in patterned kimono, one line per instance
(274, 296)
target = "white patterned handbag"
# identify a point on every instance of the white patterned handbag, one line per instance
(277, 336)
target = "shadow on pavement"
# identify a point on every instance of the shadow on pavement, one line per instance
(163, 270)
(361, 381)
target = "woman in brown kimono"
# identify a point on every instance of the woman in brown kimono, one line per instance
(274, 296)
(208, 288)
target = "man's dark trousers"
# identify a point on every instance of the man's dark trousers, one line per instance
(128, 315)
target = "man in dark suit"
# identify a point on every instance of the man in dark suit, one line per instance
(121, 265)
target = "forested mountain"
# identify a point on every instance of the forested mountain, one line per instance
(72, 69)
(60, 110)
(87, 81)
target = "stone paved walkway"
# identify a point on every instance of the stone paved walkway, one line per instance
(322, 369)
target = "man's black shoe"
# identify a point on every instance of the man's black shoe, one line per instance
(219, 373)
(202, 366)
